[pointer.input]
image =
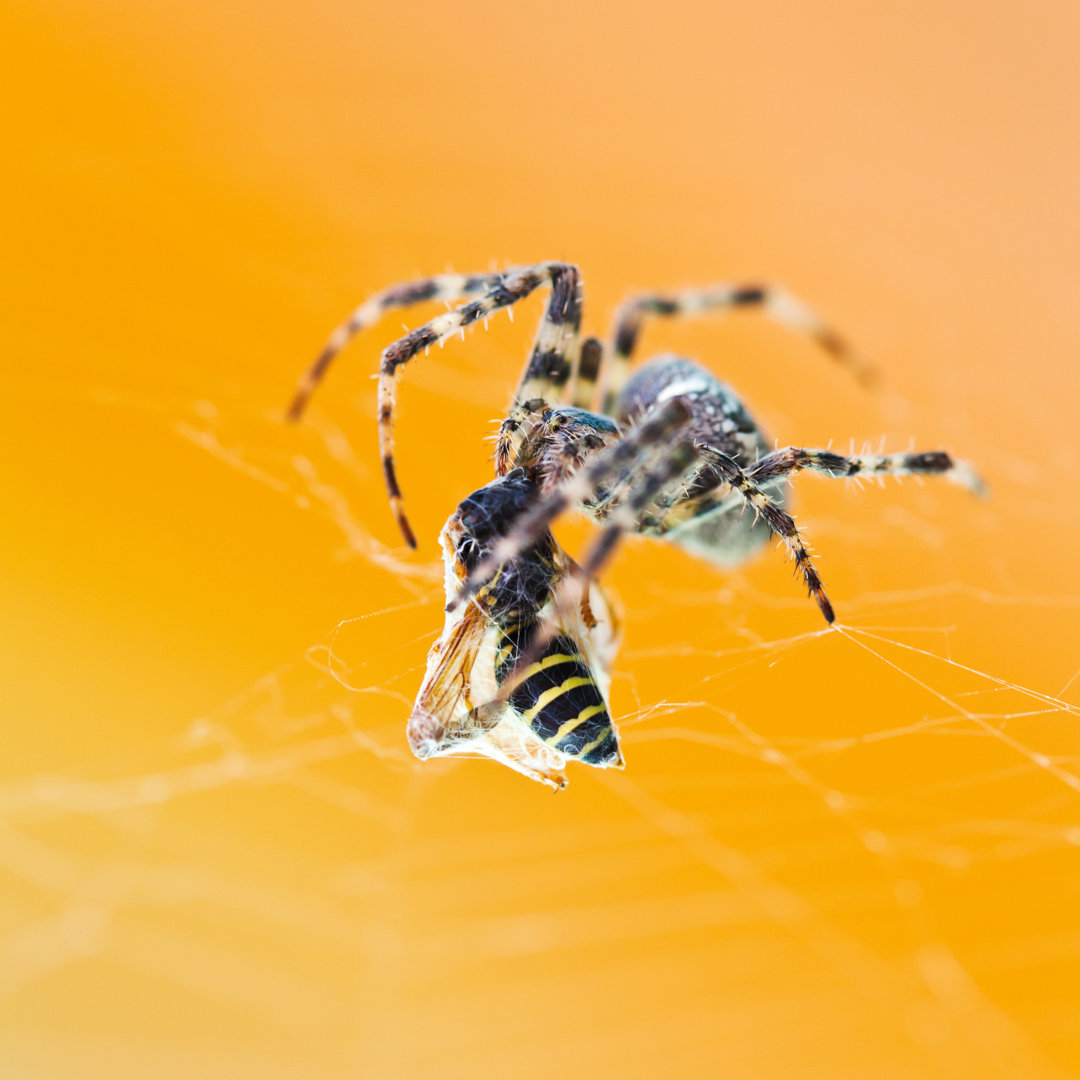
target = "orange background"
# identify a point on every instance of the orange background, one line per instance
(821, 861)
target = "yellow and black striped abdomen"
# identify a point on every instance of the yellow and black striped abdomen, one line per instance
(559, 699)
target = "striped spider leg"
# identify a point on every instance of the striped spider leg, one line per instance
(722, 475)
(719, 484)
(552, 362)
(775, 302)
(793, 459)
(443, 287)
(555, 709)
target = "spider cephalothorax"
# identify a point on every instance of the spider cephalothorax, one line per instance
(667, 451)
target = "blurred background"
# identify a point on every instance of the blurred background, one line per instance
(832, 853)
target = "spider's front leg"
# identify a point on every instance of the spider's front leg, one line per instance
(444, 287)
(551, 363)
(793, 459)
(711, 489)
(514, 430)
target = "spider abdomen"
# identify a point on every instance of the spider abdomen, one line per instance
(719, 420)
(717, 416)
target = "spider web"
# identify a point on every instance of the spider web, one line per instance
(766, 817)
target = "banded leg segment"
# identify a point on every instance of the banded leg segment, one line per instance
(590, 360)
(555, 350)
(728, 476)
(773, 301)
(550, 365)
(673, 464)
(445, 287)
(793, 459)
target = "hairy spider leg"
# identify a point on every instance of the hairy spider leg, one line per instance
(550, 365)
(590, 362)
(777, 303)
(612, 464)
(445, 287)
(723, 472)
(793, 459)
(556, 347)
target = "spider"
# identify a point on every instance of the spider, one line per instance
(671, 452)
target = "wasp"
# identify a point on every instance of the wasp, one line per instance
(513, 676)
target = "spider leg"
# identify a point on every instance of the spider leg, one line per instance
(445, 287)
(793, 459)
(775, 302)
(552, 361)
(727, 474)
(555, 349)
(590, 360)
(608, 469)
(513, 430)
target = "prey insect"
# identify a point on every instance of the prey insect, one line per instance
(477, 696)
(667, 450)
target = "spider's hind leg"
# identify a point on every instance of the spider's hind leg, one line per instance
(773, 301)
